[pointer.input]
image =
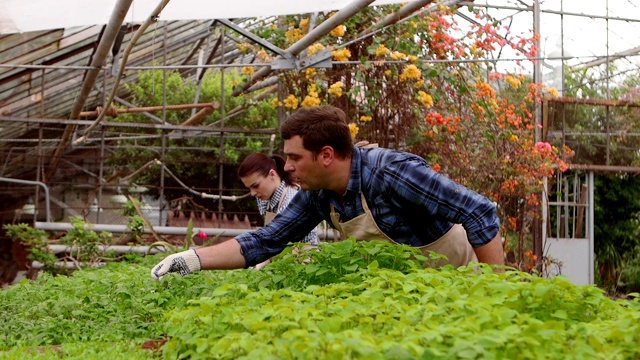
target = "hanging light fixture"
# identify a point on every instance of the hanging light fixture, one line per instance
(94, 206)
(118, 198)
(137, 189)
(29, 208)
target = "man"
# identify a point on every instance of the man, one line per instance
(370, 194)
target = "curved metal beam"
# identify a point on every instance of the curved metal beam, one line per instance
(308, 40)
(102, 51)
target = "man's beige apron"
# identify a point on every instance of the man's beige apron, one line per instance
(454, 244)
(268, 216)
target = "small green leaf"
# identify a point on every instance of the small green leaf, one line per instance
(560, 314)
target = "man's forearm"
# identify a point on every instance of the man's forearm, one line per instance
(223, 256)
(492, 252)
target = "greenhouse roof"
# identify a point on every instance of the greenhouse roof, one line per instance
(60, 58)
(24, 16)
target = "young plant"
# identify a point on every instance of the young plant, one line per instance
(36, 243)
(136, 222)
(84, 242)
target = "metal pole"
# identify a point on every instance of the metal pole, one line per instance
(114, 112)
(40, 168)
(408, 9)
(120, 249)
(163, 153)
(199, 71)
(38, 183)
(139, 125)
(607, 109)
(561, 12)
(538, 243)
(100, 175)
(562, 50)
(590, 221)
(222, 115)
(537, 66)
(164, 230)
(102, 51)
(313, 36)
(117, 229)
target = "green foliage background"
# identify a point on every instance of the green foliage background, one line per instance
(617, 194)
(195, 159)
(355, 300)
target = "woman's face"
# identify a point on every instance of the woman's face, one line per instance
(261, 186)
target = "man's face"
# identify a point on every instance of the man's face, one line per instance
(304, 169)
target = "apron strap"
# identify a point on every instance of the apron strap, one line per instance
(284, 193)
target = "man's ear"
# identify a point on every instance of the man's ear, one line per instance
(327, 155)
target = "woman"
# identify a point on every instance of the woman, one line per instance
(273, 188)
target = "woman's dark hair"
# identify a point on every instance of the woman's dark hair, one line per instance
(262, 164)
(318, 127)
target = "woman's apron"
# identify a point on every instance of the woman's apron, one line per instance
(453, 244)
(268, 217)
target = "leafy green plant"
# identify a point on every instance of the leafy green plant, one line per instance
(36, 242)
(617, 205)
(297, 267)
(115, 303)
(426, 313)
(84, 242)
(124, 350)
(361, 300)
(185, 152)
(135, 225)
(189, 236)
(630, 272)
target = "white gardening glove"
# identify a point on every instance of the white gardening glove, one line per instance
(183, 263)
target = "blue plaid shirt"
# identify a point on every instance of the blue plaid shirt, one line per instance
(410, 202)
(272, 205)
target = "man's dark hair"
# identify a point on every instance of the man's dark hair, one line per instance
(318, 127)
